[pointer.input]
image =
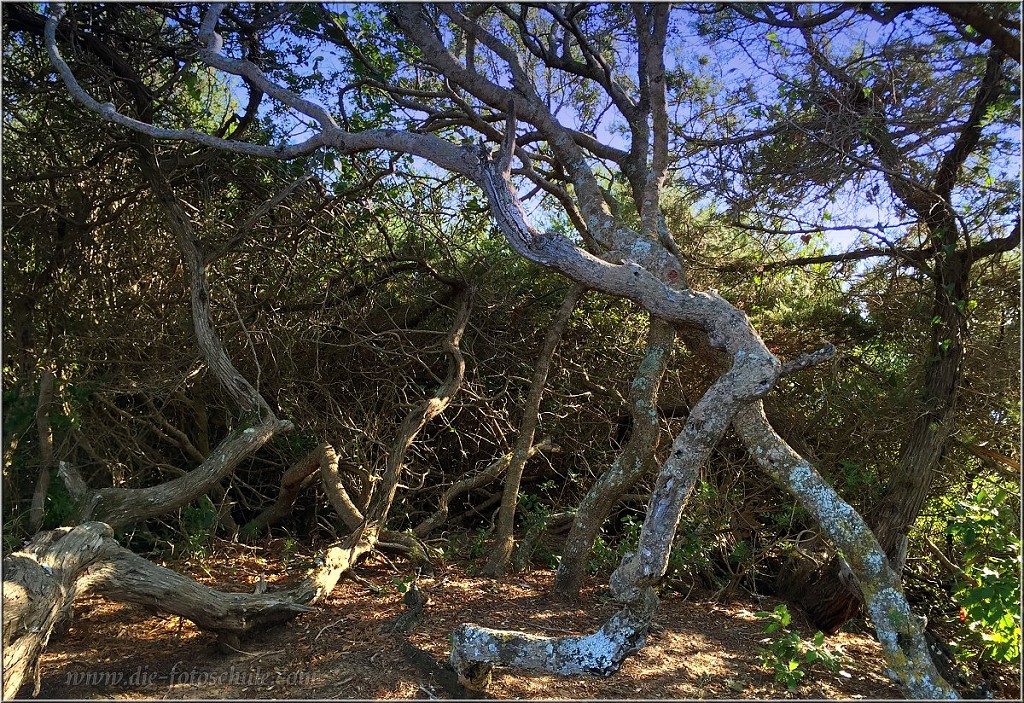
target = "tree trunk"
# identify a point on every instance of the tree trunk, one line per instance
(636, 458)
(899, 631)
(600, 653)
(42, 581)
(338, 496)
(503, 544)
(828, 602)
(43, 424)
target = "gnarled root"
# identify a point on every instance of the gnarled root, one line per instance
(476, 649)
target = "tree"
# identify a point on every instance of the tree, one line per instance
(428, 81)
(842, 123)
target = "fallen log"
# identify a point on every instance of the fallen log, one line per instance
(40, 583)
(43, 579)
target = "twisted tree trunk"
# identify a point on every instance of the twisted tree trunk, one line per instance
(635, 459)
(827, 600)
(734, 396)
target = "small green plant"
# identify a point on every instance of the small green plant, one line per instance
(602, 556)
(478, 543)
(787, 652)
(289, 547)
(605, 556)
(536, 514)
(402, 583)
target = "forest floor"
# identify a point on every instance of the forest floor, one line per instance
(700, 648)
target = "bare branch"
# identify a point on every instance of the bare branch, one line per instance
(975, 15)
(430, 147)
(806, 361)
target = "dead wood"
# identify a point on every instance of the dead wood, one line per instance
(42, 580)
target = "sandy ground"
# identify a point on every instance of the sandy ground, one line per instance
(699, 649)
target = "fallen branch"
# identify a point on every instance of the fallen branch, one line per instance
(42, 580)
(475, 649)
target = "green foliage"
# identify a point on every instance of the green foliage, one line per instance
(604, 556)
(199, 522)
(786, 652)
(478, 543)
(536, 515)
(989, 592)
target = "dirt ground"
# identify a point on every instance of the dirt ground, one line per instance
(349, 648)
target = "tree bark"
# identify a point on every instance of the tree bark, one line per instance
(338, 496)
(635, 459)
(40, 582)
(475, 649)
(899, 631)
(503, 544)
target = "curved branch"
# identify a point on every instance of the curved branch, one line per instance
(530, 108)
(774, 20)
(975, 15)
(42, 580)
(427, 146)
(899, 631)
